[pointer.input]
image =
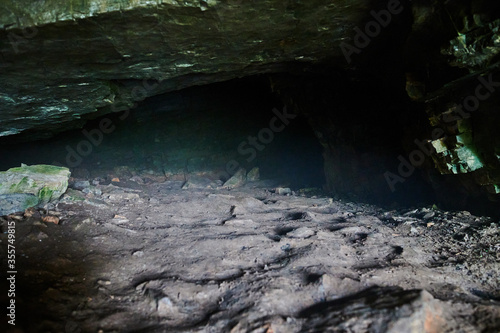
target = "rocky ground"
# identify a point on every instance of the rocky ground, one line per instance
(141, 254)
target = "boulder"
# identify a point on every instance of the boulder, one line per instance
(27, 186)
(237, 180)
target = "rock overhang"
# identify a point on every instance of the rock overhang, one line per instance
(64, 61)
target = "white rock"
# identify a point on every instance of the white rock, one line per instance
(303, 232)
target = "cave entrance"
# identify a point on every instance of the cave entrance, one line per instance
(208, 131)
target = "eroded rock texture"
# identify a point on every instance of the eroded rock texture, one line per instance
(130, 257)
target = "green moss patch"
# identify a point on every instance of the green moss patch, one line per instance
(45, 194)
(39, 168)
(45, 182)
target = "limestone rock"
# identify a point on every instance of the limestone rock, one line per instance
(46, 182)
(17, 202)
(197, 182)
(167, 309)
(377, 309)
(283, 190)
(237, 180)
(253, 175)
(430, 315)
(80, 185)
(302, 232)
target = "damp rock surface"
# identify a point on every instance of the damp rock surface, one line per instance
(16, 202)
(158, 258)
(32, 185)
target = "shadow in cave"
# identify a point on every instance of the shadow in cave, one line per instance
(207, 130)
(348, 133)
(49, 283)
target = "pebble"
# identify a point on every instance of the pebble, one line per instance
(283, 191)
(103, 282)
(51, 219)
(118, 219)
(123, 196)
(138, 254)
(429, 215)
(302, 232)
(245, 223)
(81, 185)
(166, 308)
(286, 247)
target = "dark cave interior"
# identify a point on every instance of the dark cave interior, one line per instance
(207, 129)
(195, 130)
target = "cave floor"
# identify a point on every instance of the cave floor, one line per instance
(143, 255)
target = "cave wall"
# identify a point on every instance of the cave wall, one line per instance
(455, 80)
(360, 121)
(422, 109)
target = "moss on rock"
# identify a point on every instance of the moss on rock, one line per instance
(46, 182)
(39, 168)
(45, 194)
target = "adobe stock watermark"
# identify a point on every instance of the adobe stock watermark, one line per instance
(11, 272)
(254, 144)
(417, 157)
(95, 137)
(381, 19)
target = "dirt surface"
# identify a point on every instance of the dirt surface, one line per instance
(141, 255)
